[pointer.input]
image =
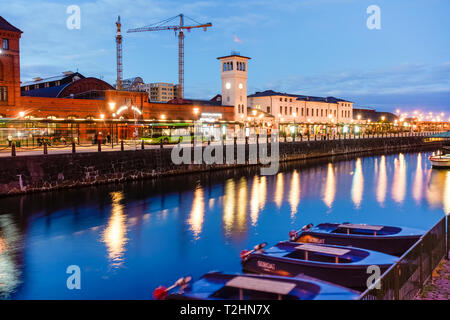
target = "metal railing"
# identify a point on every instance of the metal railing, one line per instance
(406, 278)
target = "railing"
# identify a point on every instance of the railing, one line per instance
(44, 148)
(405, 279)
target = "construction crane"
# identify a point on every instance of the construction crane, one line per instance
(162, 25)
(119, 54)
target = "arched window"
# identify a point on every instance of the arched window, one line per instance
(231, 65)
(243, 66)
(224, 66)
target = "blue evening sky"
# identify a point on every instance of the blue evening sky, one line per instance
(311, 47)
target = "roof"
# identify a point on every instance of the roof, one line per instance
(442, 135)
(269, 93)
(198, 102)
(234, 55)
(50, 79)
(50, 92)
(5, 25)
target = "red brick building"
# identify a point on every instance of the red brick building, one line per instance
(86, 98)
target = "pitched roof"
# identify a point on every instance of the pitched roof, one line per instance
(269, 93)
(5, 25)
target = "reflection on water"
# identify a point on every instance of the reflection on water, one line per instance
(418, 180)
(197, 213)
(294, 194)
(159, 230)
(279, 190)
(258, 198)
(10, 242)
(358, 184)
(115, 234)
(382, 182)
(399, 183)
(330, 187)
(446, 197)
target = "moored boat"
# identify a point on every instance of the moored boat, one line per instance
(442, 161)
(223, 286)
(345, 266)
(388, 239)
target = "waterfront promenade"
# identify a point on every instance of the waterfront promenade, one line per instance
(437, 288)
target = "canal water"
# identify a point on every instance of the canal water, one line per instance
(128, 239)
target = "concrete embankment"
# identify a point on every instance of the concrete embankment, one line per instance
(26, 174)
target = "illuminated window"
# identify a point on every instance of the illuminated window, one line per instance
(3, 93)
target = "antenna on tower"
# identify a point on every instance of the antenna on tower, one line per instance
(119, 54)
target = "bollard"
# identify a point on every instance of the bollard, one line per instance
(73, 147)
(99, 146)
(142, 145)
(121, 145)
(45, 148)
(13, 149)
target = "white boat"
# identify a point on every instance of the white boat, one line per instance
(442, 161)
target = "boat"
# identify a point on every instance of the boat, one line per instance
(229, 286)
(387, 239)
(345, 266)
(442, 161)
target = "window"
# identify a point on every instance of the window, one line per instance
(302, 111)
(5, 44)
(307, 112)
(290, 110)
(268, 109)
(3, 93)
(243, 65)
(281, 99)
(285, 110)
(281, 110)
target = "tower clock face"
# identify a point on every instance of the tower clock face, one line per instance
(228, 85)
(241, 86)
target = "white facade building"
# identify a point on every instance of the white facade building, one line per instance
(234, 84)
(288, 108)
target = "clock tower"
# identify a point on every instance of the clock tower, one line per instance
(234, 83)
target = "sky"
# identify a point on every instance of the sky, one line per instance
(310, 47)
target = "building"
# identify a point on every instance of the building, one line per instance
(234, 75)
(286, 108)
(132, 84)
(160, 91)
(9, 66)
(66, 85)
(370, 114)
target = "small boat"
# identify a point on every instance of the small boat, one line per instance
(391, 240)
(345, 266)
(442, 161)
(223, 286)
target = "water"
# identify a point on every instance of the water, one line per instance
(130, 238)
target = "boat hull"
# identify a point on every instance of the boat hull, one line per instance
(393, 245)
(351, 276)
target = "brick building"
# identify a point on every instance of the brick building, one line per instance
(80, 97)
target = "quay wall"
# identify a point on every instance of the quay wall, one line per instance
(25, 174)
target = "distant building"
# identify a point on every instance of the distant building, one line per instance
(132, 84)
(160, 91)
(300, 108)
(365, 114)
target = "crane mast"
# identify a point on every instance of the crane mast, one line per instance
(180, 30)
(119, 54)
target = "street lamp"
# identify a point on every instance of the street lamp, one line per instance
(112, 106)
(21, 114)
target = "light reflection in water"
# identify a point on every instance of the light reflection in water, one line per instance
(279, 190)
(115, 234)
(399, 184)
(418, 180)
(195, 220)
(294, 194)
(228, 206)
(446, 197)
(258, 198)
(10, 243)
(382, 182)
(330, 187)
(242, 205)
(358, 184)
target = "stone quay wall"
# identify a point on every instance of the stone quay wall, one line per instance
(25, 174)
